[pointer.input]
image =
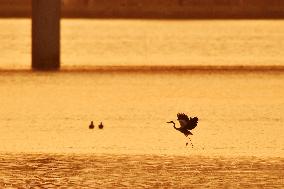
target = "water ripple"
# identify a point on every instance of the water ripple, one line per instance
(139, 171)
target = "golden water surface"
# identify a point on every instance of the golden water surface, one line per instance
(44, 116)
(144, 42)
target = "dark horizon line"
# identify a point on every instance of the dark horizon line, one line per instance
(151, 18)
(162, 68)
(155, 9)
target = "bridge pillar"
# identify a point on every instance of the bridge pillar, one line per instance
(46, 34)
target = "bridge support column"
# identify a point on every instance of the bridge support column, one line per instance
(46, 34)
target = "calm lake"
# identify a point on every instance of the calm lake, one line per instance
(44, 116)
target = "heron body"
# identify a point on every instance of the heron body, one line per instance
(184, 131)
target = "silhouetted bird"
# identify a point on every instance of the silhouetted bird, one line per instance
(186, 124)
(101, 125)
(91, 126)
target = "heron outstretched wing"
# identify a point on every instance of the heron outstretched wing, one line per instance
(192, 123)
(183, 120)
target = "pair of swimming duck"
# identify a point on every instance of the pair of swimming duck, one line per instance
(91, 126)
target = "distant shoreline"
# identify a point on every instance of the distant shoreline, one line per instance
(162, 68)
(88, 15)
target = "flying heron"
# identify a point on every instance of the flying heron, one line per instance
(186, 124)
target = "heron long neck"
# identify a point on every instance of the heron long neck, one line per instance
(174, 125)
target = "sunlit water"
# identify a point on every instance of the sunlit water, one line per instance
(147, 171)
(151, 42)
(44, 116)
(241, 115)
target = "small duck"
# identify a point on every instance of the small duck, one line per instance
(91, 126)
(101, 126)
